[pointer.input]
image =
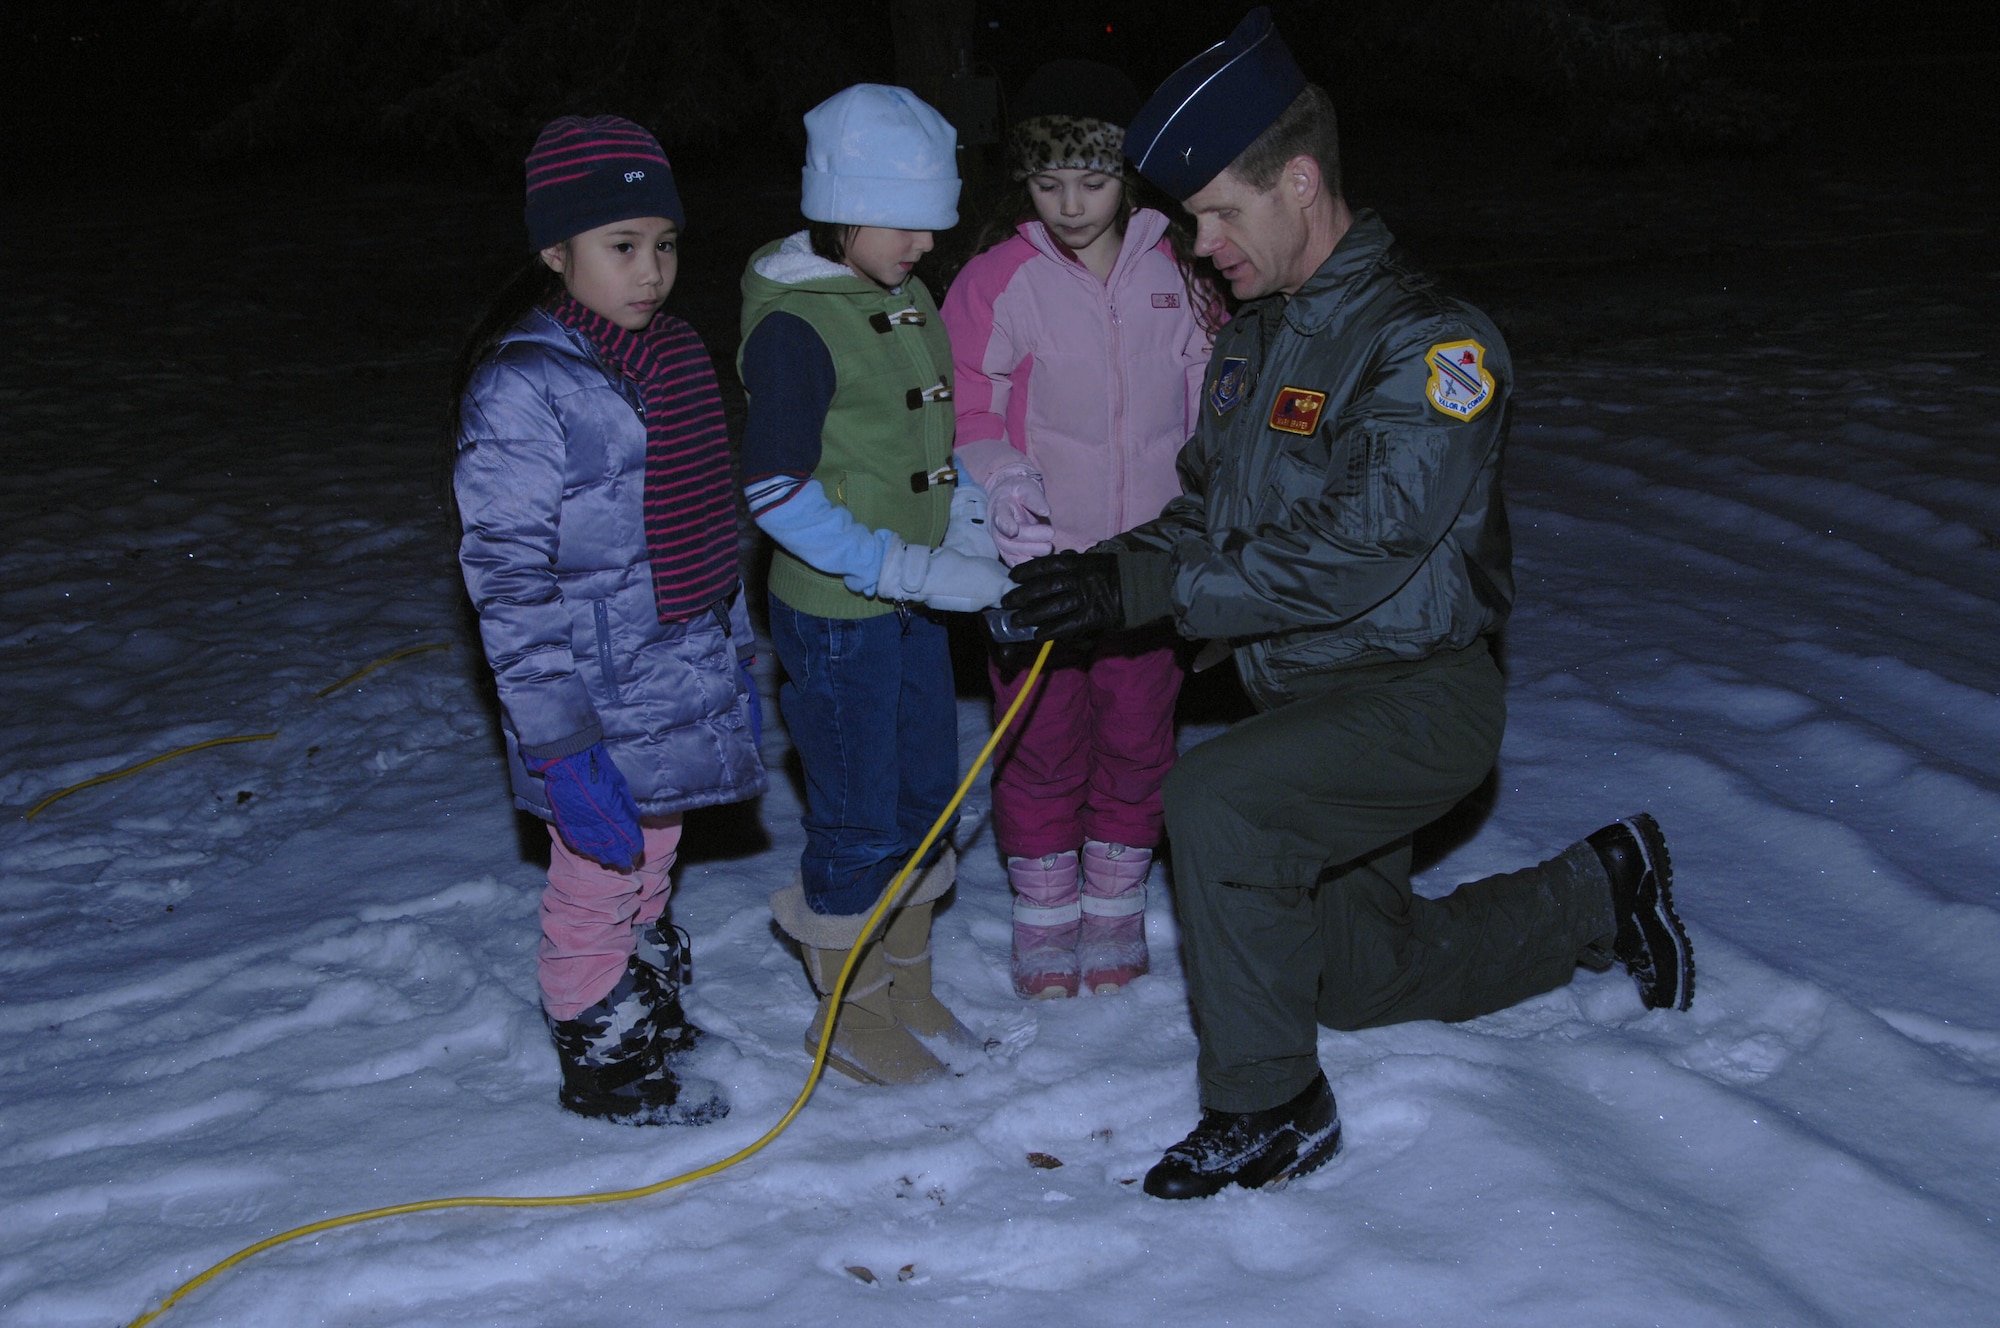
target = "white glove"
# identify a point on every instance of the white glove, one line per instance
(1017, 512)
(941, 578)
(969, 532)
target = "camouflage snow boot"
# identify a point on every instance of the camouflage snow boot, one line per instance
(666, 963)
(615, 1066)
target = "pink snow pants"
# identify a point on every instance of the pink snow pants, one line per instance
(1089, 751)
(591, 917)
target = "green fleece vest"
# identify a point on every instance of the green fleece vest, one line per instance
(889, 421)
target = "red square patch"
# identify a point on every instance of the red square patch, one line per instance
(1297, 410)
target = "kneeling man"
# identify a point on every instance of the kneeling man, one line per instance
(1342, 531)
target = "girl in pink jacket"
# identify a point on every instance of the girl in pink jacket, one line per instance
(1079, 344)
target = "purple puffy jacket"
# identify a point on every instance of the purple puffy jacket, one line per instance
(550, 479)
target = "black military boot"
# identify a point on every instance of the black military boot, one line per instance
(665, 960)
(1251, 1148)
(615, 1065)
(1650, 941)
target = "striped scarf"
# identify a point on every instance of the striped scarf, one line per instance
(690, 495)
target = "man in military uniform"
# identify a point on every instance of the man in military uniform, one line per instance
(1342, 531)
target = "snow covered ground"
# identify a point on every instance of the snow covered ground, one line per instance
(1756, 492)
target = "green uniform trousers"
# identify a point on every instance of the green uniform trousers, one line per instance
(1291, 857)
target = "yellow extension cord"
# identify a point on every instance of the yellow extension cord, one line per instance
(61, 793)
(319, 695)
(359, 674)
(890, 895)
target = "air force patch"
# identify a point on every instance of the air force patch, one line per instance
(1228, 387)
(1297, 410)
(1459, 385)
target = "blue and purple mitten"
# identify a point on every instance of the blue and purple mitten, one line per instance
(593, 806)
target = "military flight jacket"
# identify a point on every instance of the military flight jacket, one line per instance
(1341, 501)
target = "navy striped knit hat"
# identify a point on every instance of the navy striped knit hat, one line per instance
(589, 171)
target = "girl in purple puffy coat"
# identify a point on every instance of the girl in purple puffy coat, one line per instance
(1079, 343)
(593, 483)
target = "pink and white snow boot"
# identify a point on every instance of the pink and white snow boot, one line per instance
(1046, 914)
(1111, 941)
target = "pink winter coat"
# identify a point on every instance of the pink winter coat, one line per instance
(1096, 383)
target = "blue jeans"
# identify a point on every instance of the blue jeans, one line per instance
(873, 714)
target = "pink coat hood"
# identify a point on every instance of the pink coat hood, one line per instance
(1095, 384)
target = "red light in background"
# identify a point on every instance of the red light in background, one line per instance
(1107, 29)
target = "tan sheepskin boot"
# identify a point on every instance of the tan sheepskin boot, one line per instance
(906, 945)
(870, 1043)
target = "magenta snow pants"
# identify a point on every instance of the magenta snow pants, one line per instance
(1090, 749)
(591, 917)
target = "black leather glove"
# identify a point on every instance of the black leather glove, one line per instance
(1067, 596)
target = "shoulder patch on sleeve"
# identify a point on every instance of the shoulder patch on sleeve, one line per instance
(1459, 385)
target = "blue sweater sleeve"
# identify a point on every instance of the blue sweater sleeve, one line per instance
(789, 375)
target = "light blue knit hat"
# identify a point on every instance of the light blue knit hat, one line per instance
(878, 156)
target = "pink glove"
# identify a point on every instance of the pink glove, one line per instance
(1017, 512)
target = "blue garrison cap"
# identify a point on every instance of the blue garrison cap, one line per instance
(1213, 107)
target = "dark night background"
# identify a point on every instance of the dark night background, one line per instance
(179, 124)
(149, 107)
(249, 84)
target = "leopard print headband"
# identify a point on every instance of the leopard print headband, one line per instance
(1065, 142)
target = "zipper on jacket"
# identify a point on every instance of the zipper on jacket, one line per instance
(1119, 494)
(602, 612)
(1114, 335)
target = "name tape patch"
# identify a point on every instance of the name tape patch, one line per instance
(1297, 410)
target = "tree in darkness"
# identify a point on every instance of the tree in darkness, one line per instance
(477, 78)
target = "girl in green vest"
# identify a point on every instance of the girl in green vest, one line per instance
(847, 466)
